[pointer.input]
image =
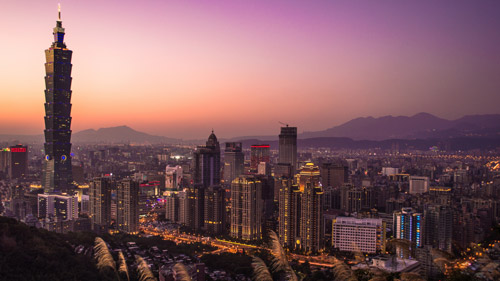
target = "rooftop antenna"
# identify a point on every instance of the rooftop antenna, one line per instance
(283, 123)
(59, 11)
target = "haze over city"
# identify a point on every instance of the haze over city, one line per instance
(181, 68)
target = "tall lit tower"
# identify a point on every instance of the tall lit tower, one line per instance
(57, 174)
(288, 147)
(311, 208)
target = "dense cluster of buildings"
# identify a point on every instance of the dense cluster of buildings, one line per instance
(315, 199)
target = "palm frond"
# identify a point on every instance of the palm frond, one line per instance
(279, 260)
(143, 270)
(342, 271)
(122, 266)
(103, 257)
(442, 264)
(260, 270)
(402, 245)
(181, 273)
(358, 255)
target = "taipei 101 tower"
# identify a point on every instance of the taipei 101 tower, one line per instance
(57, 172)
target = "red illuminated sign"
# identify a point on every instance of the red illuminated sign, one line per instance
(264, 146)
(17, 149)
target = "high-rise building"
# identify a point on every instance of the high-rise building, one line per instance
(264, 169)
(332, 198)
(311, 208)
(4, 160)
(334, 175)
(353, 199)
(246, 208)
(57, 173)
(419, 185)
(358, 235)
(259, 153)
(172, 206)
(288, 146)
(301, 210)
(62, 207)
(127, 206)
(281, 171)
(100, 202)
(214, 210)
(233, 161)
(438, 225)
(18, 166)
(408, 225)
(206, 163)
(288, 211)
(173, 177)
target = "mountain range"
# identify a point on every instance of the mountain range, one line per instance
(120, 134)
(112, 135)
(419, 126)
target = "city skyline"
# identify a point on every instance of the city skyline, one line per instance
(179, 69)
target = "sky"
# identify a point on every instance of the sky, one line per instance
(181, 68)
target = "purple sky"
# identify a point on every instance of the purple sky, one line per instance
(180, 68)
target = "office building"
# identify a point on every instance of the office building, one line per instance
(288, 211)
(214, 210)
(311, 208)
(408, 225)
(61, 207)
(57, 172)
(332, 198)
(172, 206)
(233, 161)
(419, 185)
(100, 202)
(354, 199)
(127, 212)
(388, 171)
(259, 153)
(438, 227)
(4, 161)
(206, 163)
(246, 208)
(281, 171)
(173, 177)
(288, 146)
(358, 235)
(18, 166)
(264, 169)
(334, 175)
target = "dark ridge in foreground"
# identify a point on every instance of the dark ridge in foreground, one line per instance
(28, 253)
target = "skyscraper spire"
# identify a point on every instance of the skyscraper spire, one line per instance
(57, 176)
(59, 31)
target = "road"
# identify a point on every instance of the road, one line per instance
(232, 247)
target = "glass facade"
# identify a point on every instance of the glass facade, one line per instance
(58, 175)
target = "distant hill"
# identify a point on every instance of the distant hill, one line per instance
(422, 125)
(25, 139)
(112, 135)
(419, 126)
(121, 134)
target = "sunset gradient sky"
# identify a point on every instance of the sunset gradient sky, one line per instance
(181, 68)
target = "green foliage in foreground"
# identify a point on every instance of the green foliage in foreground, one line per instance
(27, 253)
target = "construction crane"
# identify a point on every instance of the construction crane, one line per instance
(282, 123)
